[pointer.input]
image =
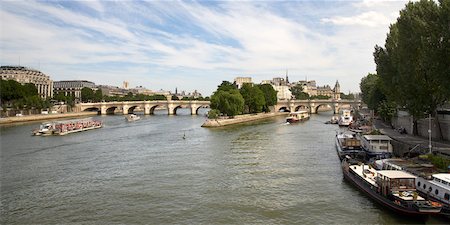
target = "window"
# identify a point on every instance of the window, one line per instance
(436, 191)
(446, 196)
(418, 184)
(430, 189)
(424, 186)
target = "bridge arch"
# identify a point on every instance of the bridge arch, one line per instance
(93, 109)
(152, 109)
(198, 108)
(111, 110)
(284, 109)
(301, 107)
(131, 109)
(330, 106)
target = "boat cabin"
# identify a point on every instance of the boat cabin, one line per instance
(297, 116)
(377, 144)
(395, 182)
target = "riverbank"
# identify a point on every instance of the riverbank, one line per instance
(241, 119)
(42, 117)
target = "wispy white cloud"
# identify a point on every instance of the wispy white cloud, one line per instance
(150, 43)
(371, 19)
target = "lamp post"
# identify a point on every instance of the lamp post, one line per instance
(429, 132)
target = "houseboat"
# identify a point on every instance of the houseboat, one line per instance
(132, 117)
(393, 189)
(298, 116)
(377, 146)
(67, 127)
(346, 118)
(348, 144)
(429, 182)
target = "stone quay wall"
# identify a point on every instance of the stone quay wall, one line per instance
(220, 122)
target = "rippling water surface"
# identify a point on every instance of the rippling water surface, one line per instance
(145, 172)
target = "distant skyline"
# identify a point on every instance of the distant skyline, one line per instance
(194, 45)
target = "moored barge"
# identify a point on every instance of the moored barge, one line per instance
(394, 189)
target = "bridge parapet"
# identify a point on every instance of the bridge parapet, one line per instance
(148, 106)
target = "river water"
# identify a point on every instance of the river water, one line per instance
(145, 172)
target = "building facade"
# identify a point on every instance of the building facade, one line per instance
(239, 81)
(24, 75)
(71, 87)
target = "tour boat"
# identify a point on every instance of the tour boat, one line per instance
(334, 120)
(45, 129)
(67, 127)
(298, 116)
(393, 189)
(347, 144)
(132, 117)
(346, 118)
(377, 146)
(435, 186)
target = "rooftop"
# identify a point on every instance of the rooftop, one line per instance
(395, 174)
(377, 137)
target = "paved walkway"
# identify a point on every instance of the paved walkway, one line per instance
(442, 146)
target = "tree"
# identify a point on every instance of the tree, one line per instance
(297, 91)
(98, 95)
(270, 96)
(228, 102)
(414, 63)
(253, 98)
(371, 92)
(87, 94)
(226, 86)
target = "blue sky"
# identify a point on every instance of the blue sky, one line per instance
(194, 45)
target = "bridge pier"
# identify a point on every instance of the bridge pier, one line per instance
(147, 109)
(125, 109)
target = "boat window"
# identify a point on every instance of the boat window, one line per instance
(446, 196)
(418, 183)
(436, 191)
(424, 186)
(430, 189)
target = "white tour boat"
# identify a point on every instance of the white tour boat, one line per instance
(298, 116)
(132, 117)
(346, 118)
(67, 127)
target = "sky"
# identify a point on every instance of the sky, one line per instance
(195, 45)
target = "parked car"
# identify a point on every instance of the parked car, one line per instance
(19, 114)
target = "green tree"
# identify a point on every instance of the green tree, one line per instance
(87, 94)
(228, 102)
(29, 90)
(297, 91)
(270, 96)
(253, 98)
(226, 86)
(371, 92)
(414, 64)
(98, 95)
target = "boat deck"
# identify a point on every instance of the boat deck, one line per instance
(369, 173)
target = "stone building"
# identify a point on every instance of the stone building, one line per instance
(25, 75)
(239, 81)
(71, 87)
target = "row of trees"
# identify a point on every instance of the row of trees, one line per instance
(18, 96)
(231, 101)
(413, 67)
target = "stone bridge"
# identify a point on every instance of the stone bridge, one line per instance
(312, 106)
(128, 107)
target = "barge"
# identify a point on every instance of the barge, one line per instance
(393, 189)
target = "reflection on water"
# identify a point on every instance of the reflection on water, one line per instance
(145, 172)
